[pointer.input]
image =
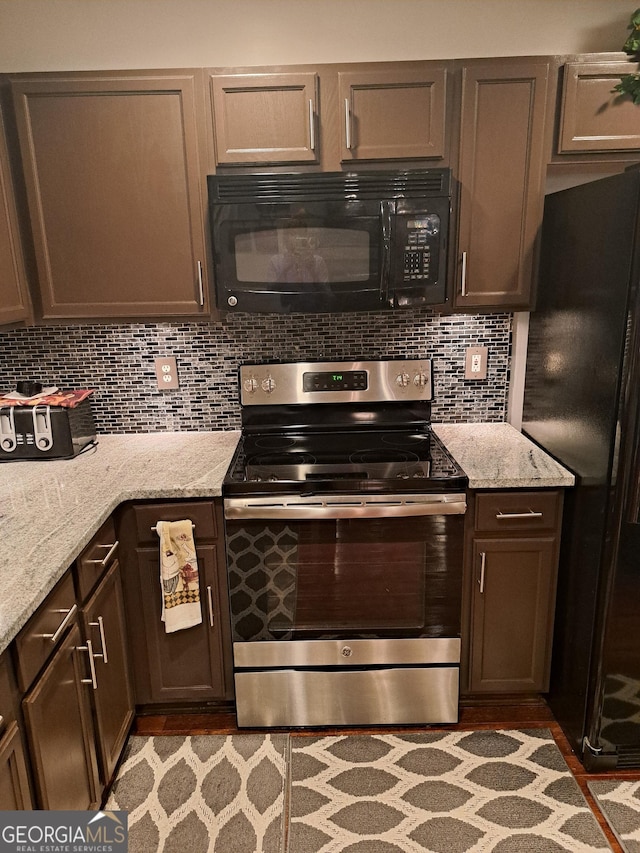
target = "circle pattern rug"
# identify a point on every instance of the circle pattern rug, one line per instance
(203, 794)
(443, 792)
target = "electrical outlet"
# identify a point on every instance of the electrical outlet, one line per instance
(475, 363)
(166, 373)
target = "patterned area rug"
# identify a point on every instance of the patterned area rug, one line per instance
(619, 802)
(442, 792)
(204, 793)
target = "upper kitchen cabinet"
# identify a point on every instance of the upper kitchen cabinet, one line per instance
(593, 118)
(14, 300)
(501, 173)
(115, 190)
(265, 118)
(393, 114)
(330, 115)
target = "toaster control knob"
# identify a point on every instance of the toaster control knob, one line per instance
(251, 385)
(7, 444)
(268, 385)
(44, 443)
(402, 379)
(232, 301)
(420, 379)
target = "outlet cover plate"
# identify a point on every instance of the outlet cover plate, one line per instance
(166, 373)
(475, 363)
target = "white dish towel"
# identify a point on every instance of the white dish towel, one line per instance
(178, 576)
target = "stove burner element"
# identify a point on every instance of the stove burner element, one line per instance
(274, 442)
(363, 456)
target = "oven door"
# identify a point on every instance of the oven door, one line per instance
(357, 567)
(345, 610)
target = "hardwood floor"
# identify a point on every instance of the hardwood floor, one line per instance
(534, 714)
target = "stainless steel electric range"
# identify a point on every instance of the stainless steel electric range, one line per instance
(344, 523)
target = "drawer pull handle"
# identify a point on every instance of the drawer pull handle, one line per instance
(93, 681)
(61, 627)
(105, 561)
(155, 529)
(530, 514)
(103, 640)
(210, 602)
(483, 566)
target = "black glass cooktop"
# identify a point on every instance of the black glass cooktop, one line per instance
(389, 460)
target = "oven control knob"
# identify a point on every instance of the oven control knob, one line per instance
(268, 385)
(346, 651)
(420, 379)
(402, 379)
(251, 385)
(232, 301)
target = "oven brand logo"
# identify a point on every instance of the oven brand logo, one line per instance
(63, 832)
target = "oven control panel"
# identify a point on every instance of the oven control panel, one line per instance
(336, 382)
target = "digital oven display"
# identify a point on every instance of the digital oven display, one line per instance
(346, 380)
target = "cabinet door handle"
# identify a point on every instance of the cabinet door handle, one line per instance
(210, 603)
(1, 721)
(93, 681)
(103, 640)
(200, 285)
(483, 566)
(312, 128)
(61, 627)
(105, 561)
(530, 514)
(347, 123)
(463, 275)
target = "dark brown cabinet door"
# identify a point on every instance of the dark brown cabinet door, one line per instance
(393, 114)
(14, 784)
(192, 665)
(187, 664)
(512, 614)
(501, 173)
(594, 118)
(104, 627)
(60, 730)
(115, 191)
(14, 300)
(265, 118)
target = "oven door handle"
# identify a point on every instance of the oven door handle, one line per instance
(345, 506)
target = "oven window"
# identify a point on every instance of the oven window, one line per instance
(302, 255)
(358, 578)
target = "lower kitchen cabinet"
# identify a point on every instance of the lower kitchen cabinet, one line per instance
(15, 793)
(192, 665)
(513, 543)
(60, 729)
(104, 627)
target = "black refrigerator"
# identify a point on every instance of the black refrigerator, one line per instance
(581, 404)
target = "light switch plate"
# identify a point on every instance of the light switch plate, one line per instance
(167, 373)
(475, 363)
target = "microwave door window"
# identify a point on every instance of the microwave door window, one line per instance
(316, 255)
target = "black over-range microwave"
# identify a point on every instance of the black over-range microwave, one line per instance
(317, 242)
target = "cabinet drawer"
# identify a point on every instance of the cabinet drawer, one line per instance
(201, 513)
(506, 512)
(96, 558)
(42, 633)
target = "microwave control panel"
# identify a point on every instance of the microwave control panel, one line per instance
(418, 239)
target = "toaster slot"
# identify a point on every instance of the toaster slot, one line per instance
(42, 427)
(8, 439)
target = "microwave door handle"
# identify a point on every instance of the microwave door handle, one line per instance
(385, 267)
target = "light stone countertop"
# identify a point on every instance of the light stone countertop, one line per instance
(497, 456)
(50, 510)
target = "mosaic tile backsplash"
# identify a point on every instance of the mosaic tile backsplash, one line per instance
(118, 362)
